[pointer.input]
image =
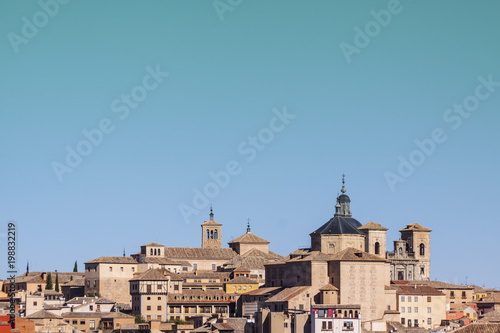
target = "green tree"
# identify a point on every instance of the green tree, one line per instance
(49, 286)
(57, 282)
(75, 269)
(139, 319)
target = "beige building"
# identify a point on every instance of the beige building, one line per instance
(149, 292)
(93, 321)
(420, 305)
(194, 303)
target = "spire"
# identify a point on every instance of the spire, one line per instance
(27, 268)
(248, 225)
(124, 251)
(343, 184)
(343, 202)
(211, 213)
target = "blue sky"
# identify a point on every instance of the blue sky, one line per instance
(277, 99)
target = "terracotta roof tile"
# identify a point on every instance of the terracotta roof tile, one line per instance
(415, 227)
(373, 226)
(352, 254)
(156, 274)
(249, 238)
(287, 294)
(199, 253)
(113, 260)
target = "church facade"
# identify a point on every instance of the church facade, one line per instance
(410, 258)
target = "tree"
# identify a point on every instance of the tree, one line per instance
(139, 319)
(75, 269)
(48, 286)
(57, 282)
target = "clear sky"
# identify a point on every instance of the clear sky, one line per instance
(117, 116)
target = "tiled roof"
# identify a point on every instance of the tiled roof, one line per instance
(199, 253)
(36, 277)
(212, 222)
(491, 298)
(444, 285)
(161, 261)
(414, 289)
(205, 275)
(264, 291)
(287, 294)
(96, 315)
(156, 274)
(352, 254)
(43, 314)
(479, 328)
(415, 227)
(337, 306)
(153, 244)
(491, 317)
(459, 307)
(242, 280)
(76, 282)
(249, 238)
(373, 226)
(223, 327)
(329, 286)
(113, 260)
(81, 300)
(313, 255)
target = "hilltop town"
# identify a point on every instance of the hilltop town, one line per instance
(346, 281)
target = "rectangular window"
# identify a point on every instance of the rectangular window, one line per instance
(330, 325)
(148, 308)
(110, 268)
(82, 322)
(75, 322)
(323, 325)
(159, 308)
(402, 298)
(429, 309)
(402, 321)
(463, 294)
(195, 266)
(213, 267)
(301, 306)
(91, 307)
(35, 303)
(428, 298)
(133, 269)
(92, 324)
(403, 309)
(322, 313)
(159, 298)
(159, 287)
(409, 309)
(429, 321)
(415, 299)
(415, 310)
(415, 322)
(409, 298)
(121, 269)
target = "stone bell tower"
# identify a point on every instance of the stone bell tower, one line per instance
(211, 233)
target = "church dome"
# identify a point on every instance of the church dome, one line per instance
(343, 198)
(340, 225)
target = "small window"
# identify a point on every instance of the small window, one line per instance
(121, 269)
(301, 306)
(159, 308)
(402, 321)
(75, 322)
(429, 309)
(110, 268)
(415, 310)
(92, 324)
(415, 322)
(149, 298)
(403, 309)
(429, 321)
(133, 269)
(148, 308)
(402, 298)
(409, 309)
(91, 308)
(213, 267)
(159, 298)
(82, 322)
(415, 298)
(429, 298)
(35, 303)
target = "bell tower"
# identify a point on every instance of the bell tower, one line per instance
(211, 233)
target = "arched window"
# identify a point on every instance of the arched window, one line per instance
(400, 251)
(356, 314)
(159, 252)
(211, 234)
(155, 251)
(377, 248)
(407, 247)
(215, 234)
(422, 249)
(208, 234)
(151, 251)
(350, 313)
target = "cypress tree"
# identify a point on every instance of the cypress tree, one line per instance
(75, 269)
(48, 286)
(57, 282)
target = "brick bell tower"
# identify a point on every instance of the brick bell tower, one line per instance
(211, 233)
